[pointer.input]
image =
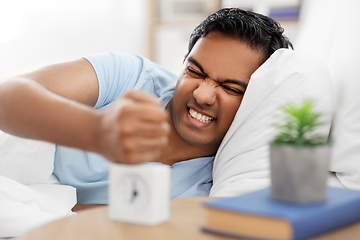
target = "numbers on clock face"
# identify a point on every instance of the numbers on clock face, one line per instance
(133, 192)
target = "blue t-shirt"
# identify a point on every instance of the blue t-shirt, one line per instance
(87, 171)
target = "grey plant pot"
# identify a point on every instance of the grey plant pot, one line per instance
(299, 175)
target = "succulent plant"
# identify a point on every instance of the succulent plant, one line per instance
(299, 127)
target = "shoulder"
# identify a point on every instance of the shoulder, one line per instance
(119, 72)
(127, 62)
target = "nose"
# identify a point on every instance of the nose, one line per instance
(205, 93)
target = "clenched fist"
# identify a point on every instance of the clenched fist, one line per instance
(133, 129)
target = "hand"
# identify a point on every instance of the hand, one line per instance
(133, 129)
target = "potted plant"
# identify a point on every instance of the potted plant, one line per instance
(299, 156)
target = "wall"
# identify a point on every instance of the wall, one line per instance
(39, 32)
(171, 34)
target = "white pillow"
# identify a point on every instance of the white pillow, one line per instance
(242, 161)
(330, 30)
(26, 161)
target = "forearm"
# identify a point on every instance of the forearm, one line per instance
(27, 109)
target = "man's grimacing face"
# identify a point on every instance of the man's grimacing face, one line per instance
(210, 88)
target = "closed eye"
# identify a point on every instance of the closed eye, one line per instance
(192, 73)
(232, 90)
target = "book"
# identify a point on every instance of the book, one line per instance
(256, 216)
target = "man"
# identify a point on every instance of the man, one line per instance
(57, 104)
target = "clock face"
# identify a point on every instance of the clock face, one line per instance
(134, 195)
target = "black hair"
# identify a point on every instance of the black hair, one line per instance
(260, 32)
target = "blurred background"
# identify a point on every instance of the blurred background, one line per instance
(35, 33)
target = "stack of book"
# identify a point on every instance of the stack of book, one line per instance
(256, 215)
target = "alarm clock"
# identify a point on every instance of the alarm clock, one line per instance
(140, 193)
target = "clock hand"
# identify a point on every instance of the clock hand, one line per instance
(134, 196)
(134, 192)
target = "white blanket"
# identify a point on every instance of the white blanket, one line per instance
(26, 161)
(29, 193)
(23, 207)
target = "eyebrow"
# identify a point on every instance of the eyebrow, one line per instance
(196, 63)
(234, 81)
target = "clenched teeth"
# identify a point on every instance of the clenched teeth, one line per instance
(200, 117)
